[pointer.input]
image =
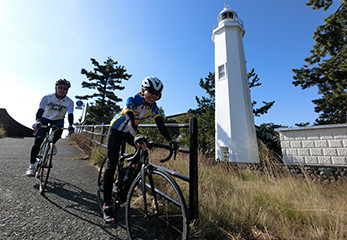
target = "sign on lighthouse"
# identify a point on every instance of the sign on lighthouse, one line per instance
(234, 124)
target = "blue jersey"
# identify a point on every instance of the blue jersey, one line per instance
(142, 112)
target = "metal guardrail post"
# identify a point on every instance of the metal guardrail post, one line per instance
(193, 168)
(102, 133)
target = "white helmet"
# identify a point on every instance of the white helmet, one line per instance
(153, 84)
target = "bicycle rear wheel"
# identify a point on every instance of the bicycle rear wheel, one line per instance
(100, 187)
(166, 216)
(45, 167)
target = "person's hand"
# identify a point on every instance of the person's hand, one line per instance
(71, 130)
(174, 146)
(36, 126)
(140, 141)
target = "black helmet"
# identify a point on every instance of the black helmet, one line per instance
(63, 82)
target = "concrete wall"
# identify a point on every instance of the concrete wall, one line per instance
(318, 145)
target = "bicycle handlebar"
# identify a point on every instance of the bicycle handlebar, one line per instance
(153, 145)
(50, 126)
(158, 145)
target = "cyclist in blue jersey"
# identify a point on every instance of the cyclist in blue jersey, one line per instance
(52, 109)
(123, 128)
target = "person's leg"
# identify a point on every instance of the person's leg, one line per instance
(39, 137)
(59, 124)
(114, 141)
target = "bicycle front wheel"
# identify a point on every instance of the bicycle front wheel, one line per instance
(164, 216)
(39, 159)
(45, 167)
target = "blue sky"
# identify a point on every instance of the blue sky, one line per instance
(42, 41)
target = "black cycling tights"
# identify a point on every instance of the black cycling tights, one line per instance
(115, 139)
(37, 143)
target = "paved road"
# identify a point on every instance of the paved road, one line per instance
(68, 210)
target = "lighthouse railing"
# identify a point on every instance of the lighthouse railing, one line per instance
(236, 19)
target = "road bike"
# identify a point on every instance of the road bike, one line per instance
(45, 156)
(155, 206)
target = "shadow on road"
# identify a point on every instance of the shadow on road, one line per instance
(80, 204)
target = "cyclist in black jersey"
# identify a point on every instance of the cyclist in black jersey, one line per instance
(123, 128)
(52, 109)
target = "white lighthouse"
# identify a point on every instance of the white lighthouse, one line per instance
(234, 124)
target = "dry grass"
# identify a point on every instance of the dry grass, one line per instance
(2, 132)
(239, 203)
(246, 204)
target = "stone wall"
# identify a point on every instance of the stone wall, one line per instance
(323, 145)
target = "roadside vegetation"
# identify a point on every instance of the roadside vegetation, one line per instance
(2, 132)
(240, 203)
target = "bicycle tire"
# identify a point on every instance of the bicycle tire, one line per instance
(100, 188)
(45, 167)
(38, 159)
(100, 182)
(172, 220)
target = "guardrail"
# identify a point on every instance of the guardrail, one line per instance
(192, 179)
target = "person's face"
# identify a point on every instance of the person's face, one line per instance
(151, 96)
(61, 90)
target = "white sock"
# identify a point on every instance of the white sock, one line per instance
(32, 165)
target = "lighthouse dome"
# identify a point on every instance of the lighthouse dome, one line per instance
(228, 16)
(226, 13)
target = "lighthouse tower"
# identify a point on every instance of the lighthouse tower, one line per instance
(234, 124)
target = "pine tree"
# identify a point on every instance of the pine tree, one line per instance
(105, 79)
(326, 68)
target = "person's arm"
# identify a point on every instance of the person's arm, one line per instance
(130, 120)
(70, 120)
(162, 128)
(139, 140)
(39, 114)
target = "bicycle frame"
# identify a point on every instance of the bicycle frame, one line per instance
(46, 155)
(48, 139)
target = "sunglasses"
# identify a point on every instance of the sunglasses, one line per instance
(64, 88)
(153, 92)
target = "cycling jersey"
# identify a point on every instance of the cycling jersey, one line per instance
(142, 112)
(55, 108)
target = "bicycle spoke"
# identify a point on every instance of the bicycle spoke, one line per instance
(100, 188)
(163, 219)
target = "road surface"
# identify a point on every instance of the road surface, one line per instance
(68, 209)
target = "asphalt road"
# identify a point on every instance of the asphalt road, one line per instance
(68, 209)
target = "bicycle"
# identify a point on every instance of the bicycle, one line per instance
(155, 206)
(45, 156)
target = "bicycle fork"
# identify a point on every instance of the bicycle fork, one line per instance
(45, 154)
(146, 170)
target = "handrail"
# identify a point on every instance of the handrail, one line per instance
(192, 179)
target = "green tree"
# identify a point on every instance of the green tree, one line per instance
(253, 81)
(105, 79)
(326, 68)
(205, 114)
